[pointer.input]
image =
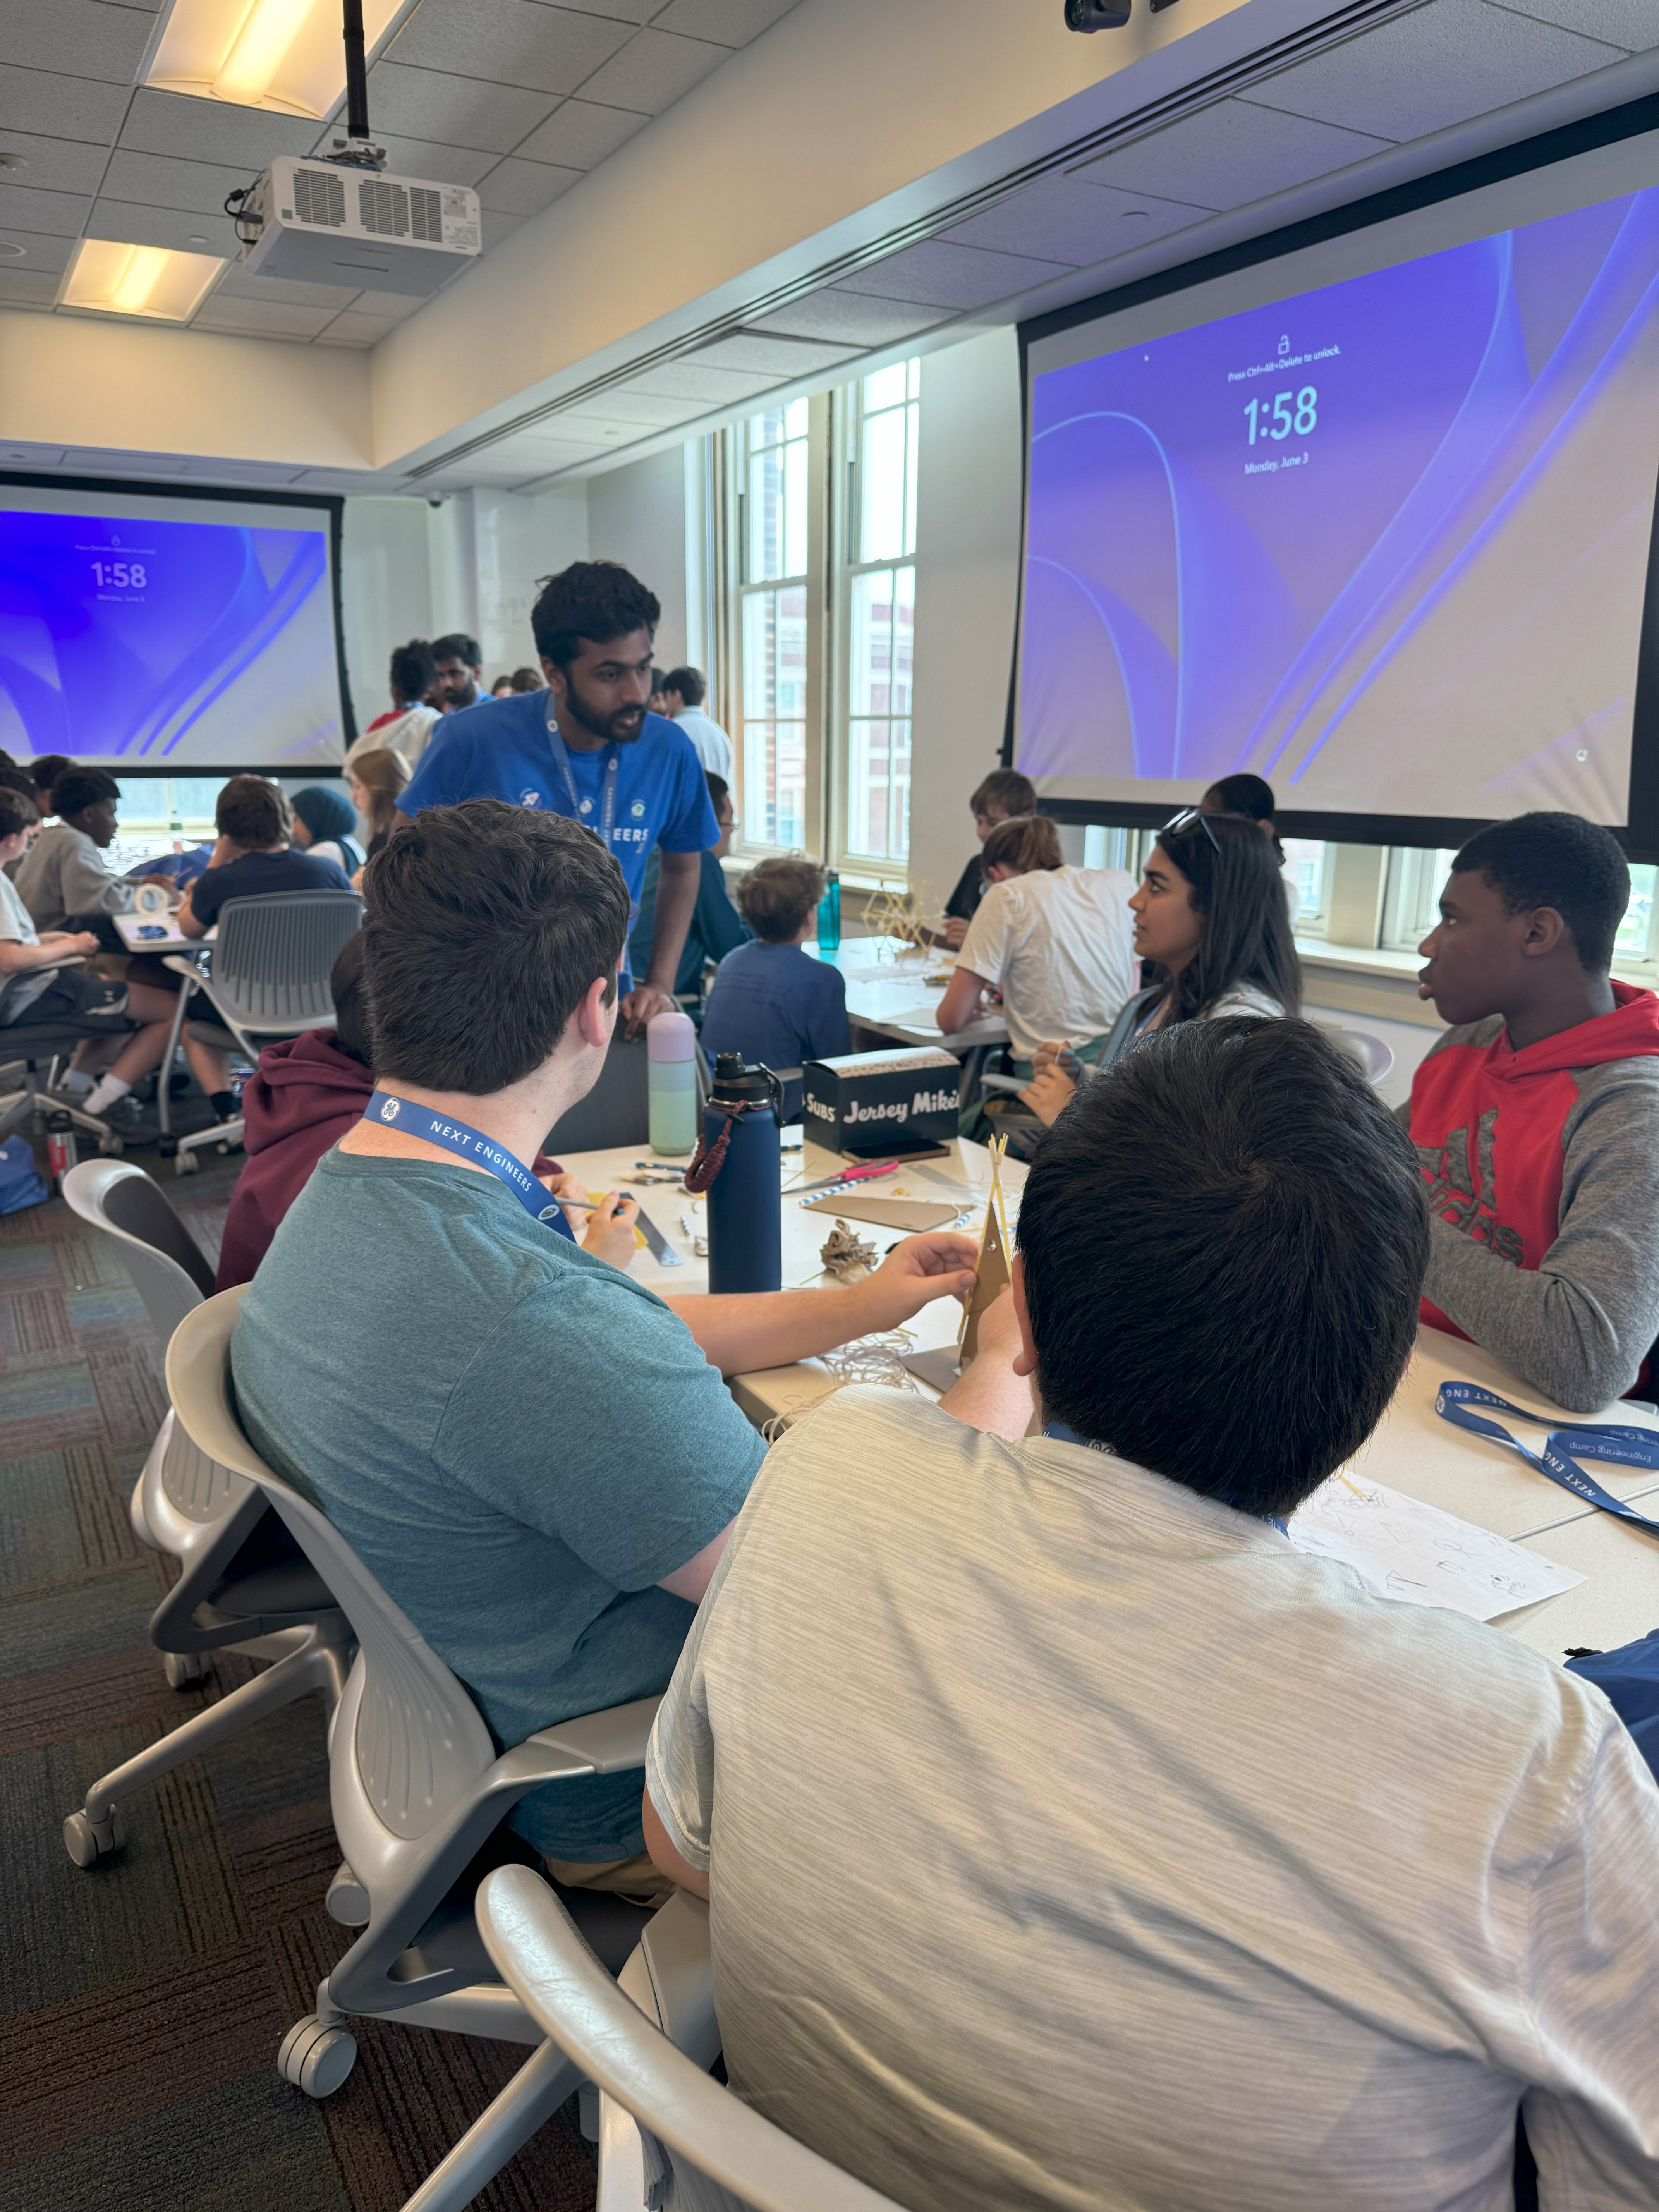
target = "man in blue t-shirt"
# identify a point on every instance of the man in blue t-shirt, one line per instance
(534, 1455)
(587, 747)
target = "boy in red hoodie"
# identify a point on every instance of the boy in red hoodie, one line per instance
(1536, 1117)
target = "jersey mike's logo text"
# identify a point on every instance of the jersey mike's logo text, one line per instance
(897, 1109)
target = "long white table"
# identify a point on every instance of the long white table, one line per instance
(1412, 1450)
(887, 991)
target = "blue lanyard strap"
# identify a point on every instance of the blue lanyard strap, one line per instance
(612, 763)
(471, 1144)
(1562, 1449)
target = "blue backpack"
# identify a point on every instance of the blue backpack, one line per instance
(20, 1179)
(1630, 1676)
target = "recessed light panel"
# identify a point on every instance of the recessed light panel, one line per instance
(150, 281)
(285, 55)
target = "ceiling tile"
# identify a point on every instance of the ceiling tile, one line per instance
(23, 286)
(1230, 154)
(1062, 219)
(354, 329)
(938, 274)
(60, 106)
(583, 428)
(41, 253)
(689, 379)
(420, 157)
(453, 110)
(535, 456)
(1633, 23)
(784, 357)
(510, 42)
(728, 22)
(848, 317)
(247, 139)
(51, 165)
(579, 135)
(22, 207)
(151, 226)
(650, 410)
(523, 188)
(161, 181)
(653, 71)
(396, 304)
(237, 284)
(264, 318)
(82, 37)
(495, 228)
(1438, 65)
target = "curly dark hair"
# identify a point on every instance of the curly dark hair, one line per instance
(593, 600)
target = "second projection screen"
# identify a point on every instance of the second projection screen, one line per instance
(1385, 542)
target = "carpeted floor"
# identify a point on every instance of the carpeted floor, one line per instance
(143, 2002)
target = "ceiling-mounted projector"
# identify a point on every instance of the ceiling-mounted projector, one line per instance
(316, 223)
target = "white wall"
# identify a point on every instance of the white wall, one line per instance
(515, 542)
(386, 591)
(967, 576)
(636, 515)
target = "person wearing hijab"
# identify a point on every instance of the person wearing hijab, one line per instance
(325, 823)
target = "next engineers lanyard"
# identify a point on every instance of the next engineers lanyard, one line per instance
(484, 1151)
(577, 805)
(1600, 1440)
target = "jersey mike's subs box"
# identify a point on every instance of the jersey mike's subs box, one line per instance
(887, 1103)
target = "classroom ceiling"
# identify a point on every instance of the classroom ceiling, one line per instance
(520, 98)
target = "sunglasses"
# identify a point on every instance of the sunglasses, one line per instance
(1191, 818)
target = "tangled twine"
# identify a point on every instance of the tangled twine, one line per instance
(867, 1359)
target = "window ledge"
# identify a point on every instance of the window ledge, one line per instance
(1363, 959)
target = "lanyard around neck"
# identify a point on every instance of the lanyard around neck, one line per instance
(471, 1145)
(579, 806)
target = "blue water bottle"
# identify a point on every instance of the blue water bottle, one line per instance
(830, 914)
(745, 1209)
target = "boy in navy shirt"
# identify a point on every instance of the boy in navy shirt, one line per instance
(587, 748)
(771, 1001)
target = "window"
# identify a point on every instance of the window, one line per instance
(159, 814)
(773, 460)
(1307, 869)
(1417, 876)
(1634, 943)
(882, 423)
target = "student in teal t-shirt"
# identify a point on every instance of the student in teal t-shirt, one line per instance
(535, 1455)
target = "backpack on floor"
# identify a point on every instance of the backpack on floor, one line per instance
(20, 1179)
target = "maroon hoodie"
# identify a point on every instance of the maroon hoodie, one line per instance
(303, 1096)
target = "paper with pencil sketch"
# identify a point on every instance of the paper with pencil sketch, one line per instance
(1403, 1549)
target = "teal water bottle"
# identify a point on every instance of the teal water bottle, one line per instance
(670, 1047)
(830, 914)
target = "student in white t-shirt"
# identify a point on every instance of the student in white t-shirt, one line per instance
(1211, 917)
(1071, 1840)
(1054, 940)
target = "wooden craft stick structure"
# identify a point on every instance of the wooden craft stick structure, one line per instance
(991, 1269)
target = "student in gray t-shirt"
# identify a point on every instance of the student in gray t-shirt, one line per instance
(1073, 1841)
(535, 1455)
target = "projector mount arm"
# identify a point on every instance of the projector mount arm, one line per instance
(357, 150)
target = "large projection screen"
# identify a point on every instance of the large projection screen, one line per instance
(158, 631)
(1372, 519)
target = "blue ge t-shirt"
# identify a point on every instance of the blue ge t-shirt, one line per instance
(499, 750)
(776, 1003)
(533, 1442)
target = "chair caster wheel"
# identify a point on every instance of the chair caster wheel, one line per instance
(315, 2057)
(88, 1841)
(183, 1667)
(186, 1163)
(110, 1147)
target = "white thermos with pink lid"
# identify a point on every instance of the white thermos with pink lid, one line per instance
(671, 1047)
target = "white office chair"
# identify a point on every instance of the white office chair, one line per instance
(240, 1588)
(417, 1790)
(694, 2146)
(1373, 1057)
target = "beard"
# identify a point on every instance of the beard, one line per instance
(620, 728)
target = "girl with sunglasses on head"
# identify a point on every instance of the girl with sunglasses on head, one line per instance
(1212, 917)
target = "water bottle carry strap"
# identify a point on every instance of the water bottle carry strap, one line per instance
(709, 1159)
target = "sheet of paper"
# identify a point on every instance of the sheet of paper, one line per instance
(1403, 1549)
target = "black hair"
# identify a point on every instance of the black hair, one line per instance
(345, 985)
(593, 600)
(527, 679)
(458, 645)
(1249, 796)
(1007, 790)
(80, 788)
(1239, 894)
(689, 683)
(659, 682)
(719, 789)
(1558, 860)
(47, 770)
(414, 670)
(17, 809)
(487, 924)
(1225, 1240)
(254, 813)
(21, 781)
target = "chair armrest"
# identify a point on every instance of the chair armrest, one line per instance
(670, 1976)
(609, 1741)
(183, 963)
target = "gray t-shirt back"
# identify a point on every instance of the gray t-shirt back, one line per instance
(517, 1440)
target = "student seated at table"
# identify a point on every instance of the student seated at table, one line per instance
(545, 1476)
(1211, 915)
(1054, 940)
(325, 823)
(716, 927)
(64, 878)
(254, 856)
(770, 1000)
(1536, 1117)
(1000, 797)
(45, 773)
(1073, 1841)
(35, 990)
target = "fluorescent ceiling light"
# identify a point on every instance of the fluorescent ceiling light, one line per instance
(286, 55)
(151, 281)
